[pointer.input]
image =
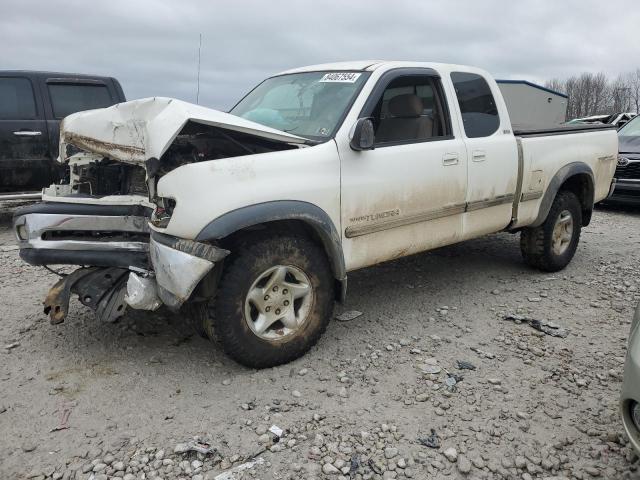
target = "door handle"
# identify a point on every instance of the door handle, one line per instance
(478, 155)
(450, 159)
(27, 133)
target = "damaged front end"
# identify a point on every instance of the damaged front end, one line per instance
(178, 267)
(99, 216)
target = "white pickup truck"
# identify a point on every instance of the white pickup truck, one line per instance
(249, 221)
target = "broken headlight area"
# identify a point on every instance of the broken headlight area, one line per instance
(93, 175)
(162, 213)
(106, 177)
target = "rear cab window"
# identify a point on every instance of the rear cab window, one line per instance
(68, 98)
(17, 101)
(477, 105)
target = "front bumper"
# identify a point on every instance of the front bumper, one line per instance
(55, 233)
(128, 264)
(625, 190)
(631, 382)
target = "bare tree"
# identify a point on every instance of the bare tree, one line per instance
(595, 94)
(555, 84)
(620, 94)
(633, 82)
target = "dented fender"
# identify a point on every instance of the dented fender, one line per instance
(180, 265)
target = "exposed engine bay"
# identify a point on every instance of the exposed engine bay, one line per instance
(197, 142)
(106, 177)
(95, 175)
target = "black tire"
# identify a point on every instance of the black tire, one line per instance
(195, 314)
(226, 313)
(536, 243)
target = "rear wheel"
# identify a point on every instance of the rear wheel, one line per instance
(551, 246)
(274, 301)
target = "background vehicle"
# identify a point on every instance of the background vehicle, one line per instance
(618, 119)
(627, 176)
(32, 104)
(630, 400)
(259, 214)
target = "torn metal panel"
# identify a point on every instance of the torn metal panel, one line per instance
(56, 303)
(133, 132)
(101, 289)
(178, 272)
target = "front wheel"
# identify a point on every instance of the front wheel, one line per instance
(551, 246)
(274, 301)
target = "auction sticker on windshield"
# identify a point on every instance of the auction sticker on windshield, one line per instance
(344, 77)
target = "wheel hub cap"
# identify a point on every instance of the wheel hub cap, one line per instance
(562, 232)
(278, 302)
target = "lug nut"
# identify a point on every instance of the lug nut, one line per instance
(267, 309)
(275, 289)
(285, 291)
(277, 311)
(286, 303)
(266, 297)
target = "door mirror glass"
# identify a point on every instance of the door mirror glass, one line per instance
(363, 135)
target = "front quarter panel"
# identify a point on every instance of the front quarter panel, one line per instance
(206, 190)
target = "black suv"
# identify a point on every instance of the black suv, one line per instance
(627, 174)
(31, 107)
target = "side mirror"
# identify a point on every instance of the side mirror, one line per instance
(363, 135)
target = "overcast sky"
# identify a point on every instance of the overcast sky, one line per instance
(152, 46)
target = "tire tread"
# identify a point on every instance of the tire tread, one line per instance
(535, 242)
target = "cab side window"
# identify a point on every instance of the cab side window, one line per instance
(68, 98)
(477, 105)
(16, 99)
(410, 110)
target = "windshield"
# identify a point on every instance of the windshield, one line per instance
(309, 104)
(631, 129)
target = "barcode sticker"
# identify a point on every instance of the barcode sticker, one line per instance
(343, 77)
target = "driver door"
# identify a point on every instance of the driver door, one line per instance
(407, 194)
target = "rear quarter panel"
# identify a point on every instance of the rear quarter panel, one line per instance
(544, 156)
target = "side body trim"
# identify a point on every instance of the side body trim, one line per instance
(489, 202)
(531, 196)
(357, 231)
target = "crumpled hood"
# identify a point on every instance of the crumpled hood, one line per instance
(135, 131)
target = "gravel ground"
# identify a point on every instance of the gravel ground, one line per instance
(380, 396)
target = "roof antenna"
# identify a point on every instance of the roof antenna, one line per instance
(198, 88)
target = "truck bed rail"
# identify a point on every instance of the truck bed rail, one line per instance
(559, 130)
(20, 196)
